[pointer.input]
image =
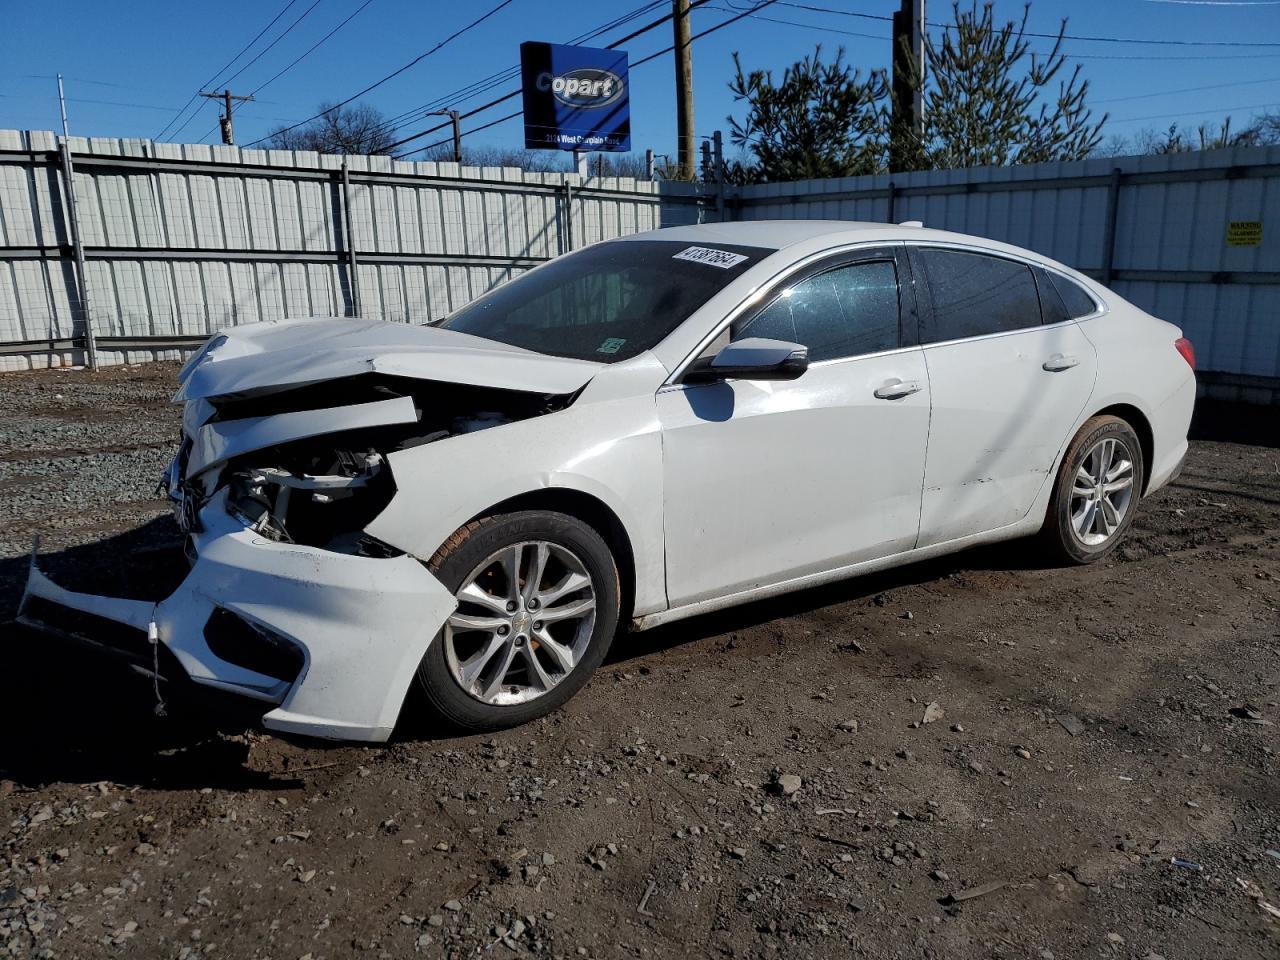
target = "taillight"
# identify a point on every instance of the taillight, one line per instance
(1184, 347)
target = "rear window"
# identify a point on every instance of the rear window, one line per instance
(975, 294)
(1078, 301)
(607, 302)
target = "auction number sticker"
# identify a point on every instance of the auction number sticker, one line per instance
(709, 256)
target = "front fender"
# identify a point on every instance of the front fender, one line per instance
(610, 450)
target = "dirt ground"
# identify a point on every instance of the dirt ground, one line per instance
(1101, 782)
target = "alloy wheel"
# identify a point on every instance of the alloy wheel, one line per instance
(524, 619)
(1102, 491)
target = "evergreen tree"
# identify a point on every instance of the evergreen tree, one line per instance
(989, 101)
(821, 120)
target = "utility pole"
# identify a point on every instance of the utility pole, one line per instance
(684, 89)
(717, 162)
(907, 131)
(454, 118)
(77, 243)
(226, 96)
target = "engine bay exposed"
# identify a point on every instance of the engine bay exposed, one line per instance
(323, 491)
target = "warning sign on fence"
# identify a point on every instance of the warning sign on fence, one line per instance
(1244, 233)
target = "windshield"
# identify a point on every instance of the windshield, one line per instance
(607, 302)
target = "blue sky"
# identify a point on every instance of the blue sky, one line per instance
(129, 67)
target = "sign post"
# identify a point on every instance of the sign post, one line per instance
(575, 98)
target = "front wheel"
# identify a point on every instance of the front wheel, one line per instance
(1096, 493)
(538, 604)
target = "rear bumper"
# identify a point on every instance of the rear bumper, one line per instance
(1170, 423)
(354, 628)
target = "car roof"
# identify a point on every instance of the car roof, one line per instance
(780, 234)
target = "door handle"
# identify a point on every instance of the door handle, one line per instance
(896, 389)
(1059, 362)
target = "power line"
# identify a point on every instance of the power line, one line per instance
(208, 83)
(96, 83)
(515, 93)
(1179, 57)
(261, 53)
(812, 26)
(310, 50)
(493, 80)
(942, 26)
(709, 30)
(1221, 3)
(946, 26)
(1212, 86)
(105, 103)
(643, 60)
(1051, 36)
(846, 13)
(1197, 113)
(395, 73)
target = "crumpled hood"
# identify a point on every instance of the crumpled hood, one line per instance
(278, 355)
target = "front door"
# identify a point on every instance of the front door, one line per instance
(771, 481)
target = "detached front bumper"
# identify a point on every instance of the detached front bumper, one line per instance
(330, 640)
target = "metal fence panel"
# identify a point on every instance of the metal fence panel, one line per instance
(1169, 255)
(182, 239)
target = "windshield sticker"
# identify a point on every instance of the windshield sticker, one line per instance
(612, 345)
(709, 256)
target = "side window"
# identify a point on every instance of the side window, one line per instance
(843, 312)
(1078, 301)
(975, 294)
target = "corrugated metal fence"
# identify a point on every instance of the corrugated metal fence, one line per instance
(1158, 230)
(180, 240)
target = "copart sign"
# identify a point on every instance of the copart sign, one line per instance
(575, 98)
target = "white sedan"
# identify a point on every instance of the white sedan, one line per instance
(640, 431)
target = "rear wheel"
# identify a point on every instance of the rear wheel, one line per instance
(1096, 493)
(538, 601)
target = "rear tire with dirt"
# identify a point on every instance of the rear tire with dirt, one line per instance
(1096, 493)
(538, 605)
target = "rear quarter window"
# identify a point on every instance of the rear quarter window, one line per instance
(1052, 309)
(1078, 301)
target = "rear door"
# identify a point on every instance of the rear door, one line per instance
(1006, 387)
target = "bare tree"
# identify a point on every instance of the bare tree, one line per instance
(1262, 130)
(357, 129)
(536, 161)
(544, 161)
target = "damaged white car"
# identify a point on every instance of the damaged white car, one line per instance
(643, 430)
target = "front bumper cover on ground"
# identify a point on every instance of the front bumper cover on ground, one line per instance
(362, 624)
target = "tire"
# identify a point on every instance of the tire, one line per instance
(1073, 535)
(548, 662)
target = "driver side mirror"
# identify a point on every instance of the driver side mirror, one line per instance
(753, 358)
